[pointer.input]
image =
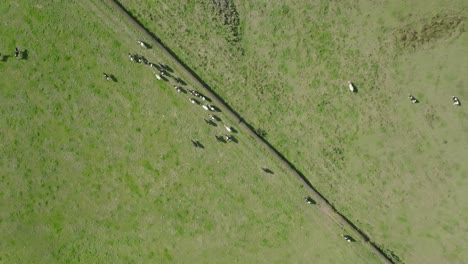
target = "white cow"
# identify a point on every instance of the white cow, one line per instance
(143, 44)
(351, 87)
(132, 58)
(228, 128)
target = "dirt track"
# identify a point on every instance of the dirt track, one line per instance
(322, 203)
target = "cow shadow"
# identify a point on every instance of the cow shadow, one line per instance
(167, 68)
(200, 145)
(24, 54)
(356, 89)
(5, 58)
(234, 139)
(167, 74)
(113, 78)
(267, 170)
(179, 81)
(211, 123)
(220, 139)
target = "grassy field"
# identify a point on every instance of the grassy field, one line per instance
(397, 170)
(95, 171)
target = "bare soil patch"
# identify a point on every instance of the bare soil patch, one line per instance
(430, 30)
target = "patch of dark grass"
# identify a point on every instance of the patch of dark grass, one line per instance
(429, 30)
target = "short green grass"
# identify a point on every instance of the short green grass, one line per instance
(395, 169)
(99, 172)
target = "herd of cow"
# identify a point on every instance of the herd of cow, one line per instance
(163, 73)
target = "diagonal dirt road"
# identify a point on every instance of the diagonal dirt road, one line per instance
(323, 205)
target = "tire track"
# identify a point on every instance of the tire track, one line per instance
(322, 203)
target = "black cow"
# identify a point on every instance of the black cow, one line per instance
(309, 200)
(348, 238)
(413, 99)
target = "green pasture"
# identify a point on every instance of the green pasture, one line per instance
(397, 170)
(95, 171)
